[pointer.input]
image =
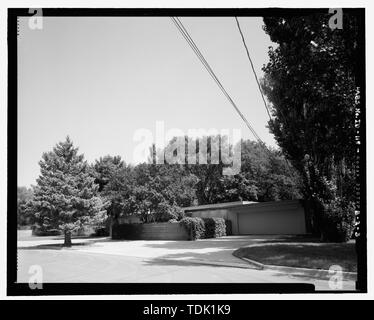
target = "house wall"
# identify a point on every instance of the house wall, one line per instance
(275, 217)
(210, 213)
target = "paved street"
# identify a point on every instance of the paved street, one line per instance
(75, 266)
(211, 250)
(105, 260)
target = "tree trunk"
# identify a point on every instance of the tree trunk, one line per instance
(67, 241)
(111, 223)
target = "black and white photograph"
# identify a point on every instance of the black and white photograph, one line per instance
(186, 151)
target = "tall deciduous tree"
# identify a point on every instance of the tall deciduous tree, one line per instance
(264, 175)
(66, 196)
(310, 82)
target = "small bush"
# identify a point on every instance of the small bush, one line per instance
(102, 232)
(214, 227)
(338, 220)
(178, 212)
(41, 232)
(194, 226)
(204, 228)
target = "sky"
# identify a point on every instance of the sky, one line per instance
(100, 79)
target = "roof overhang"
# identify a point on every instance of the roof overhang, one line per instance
(218, 206)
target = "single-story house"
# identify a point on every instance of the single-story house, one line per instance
(274, 217)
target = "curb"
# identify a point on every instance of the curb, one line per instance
(322, 274)
(255, 264)
(210, 263)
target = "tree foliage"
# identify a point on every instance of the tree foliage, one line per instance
(66, 196)
(264, 176)
(24, 195)
(156, 192)
(105, 169)
(70, 193)
(310, 82)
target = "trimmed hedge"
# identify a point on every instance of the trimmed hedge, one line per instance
(204, 228)
(195, 227)
(214, 227)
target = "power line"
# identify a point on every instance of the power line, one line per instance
(258, 83)
(198, 53)
(253, 69)
(194, 47)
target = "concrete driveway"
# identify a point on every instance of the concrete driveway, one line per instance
(106, 260)
(217, 250)
(68, 266)
(208, 250)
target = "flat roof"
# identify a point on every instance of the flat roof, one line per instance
(218, 206)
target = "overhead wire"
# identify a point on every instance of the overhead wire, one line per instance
(253, 69)
(198, 53)
(258, 82)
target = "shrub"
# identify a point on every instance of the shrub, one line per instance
(194, 226)
(337, 220)
(39, 231)
(178, 212)
(228, 227)
(165, 212)
(102, 232)
(214, 227)
(203, 228)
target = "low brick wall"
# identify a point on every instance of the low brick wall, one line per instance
(149, 231)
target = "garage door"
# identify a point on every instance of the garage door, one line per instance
(278, 217)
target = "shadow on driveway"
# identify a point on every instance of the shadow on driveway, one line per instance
(162, 252)
(205, 250)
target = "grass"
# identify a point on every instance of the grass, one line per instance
(302, 254)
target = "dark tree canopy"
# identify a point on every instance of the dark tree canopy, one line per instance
(156, 192)
(310, 82)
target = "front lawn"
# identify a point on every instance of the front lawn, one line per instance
(308, 254)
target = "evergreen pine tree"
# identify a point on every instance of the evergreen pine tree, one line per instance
(66, 196)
